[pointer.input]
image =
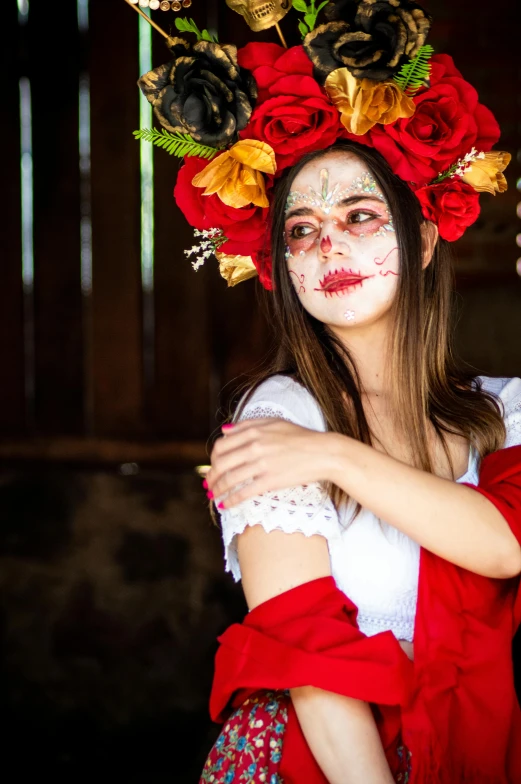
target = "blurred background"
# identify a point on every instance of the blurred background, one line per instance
(117, 363)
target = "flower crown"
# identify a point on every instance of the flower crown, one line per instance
(239, 118)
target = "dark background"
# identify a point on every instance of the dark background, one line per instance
(112, 590)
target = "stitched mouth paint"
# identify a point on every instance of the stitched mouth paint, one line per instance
(338, 281)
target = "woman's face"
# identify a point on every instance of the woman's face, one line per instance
(341, 247)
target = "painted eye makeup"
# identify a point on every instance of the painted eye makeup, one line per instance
(365, 221)
(301, 236)
(361, 216)
(370, 219)
(300, 231)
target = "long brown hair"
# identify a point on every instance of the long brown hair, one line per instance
(428, 382)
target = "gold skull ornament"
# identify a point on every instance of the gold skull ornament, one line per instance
(260, 14)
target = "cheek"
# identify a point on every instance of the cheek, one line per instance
(386, 260)
(299, 280)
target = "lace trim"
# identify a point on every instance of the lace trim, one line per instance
(403, 629)
(265, 411)
(304, 509)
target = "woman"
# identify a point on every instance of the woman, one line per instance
(362, 303)
(369, 484)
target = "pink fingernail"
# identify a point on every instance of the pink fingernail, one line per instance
(205, 484)
(209, 494)
(227, 427)
(220, 505)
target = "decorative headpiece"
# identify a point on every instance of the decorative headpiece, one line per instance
(239, 118)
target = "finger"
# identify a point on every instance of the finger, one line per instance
(250, 452)
(234, 440)
(261, 484)
(230, 480)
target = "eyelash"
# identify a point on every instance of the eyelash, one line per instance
(297, 226)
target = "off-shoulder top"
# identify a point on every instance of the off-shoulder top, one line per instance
(372, 562)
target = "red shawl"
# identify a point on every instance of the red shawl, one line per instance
(455, 707)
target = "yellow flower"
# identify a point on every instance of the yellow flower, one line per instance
(236, 175)
(485, 172)
(363, 102)
(234, 268)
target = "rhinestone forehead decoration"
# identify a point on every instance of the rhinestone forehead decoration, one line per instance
(327, 199)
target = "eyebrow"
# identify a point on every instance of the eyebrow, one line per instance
(300, 211)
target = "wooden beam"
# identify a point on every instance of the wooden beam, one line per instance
(105, 451)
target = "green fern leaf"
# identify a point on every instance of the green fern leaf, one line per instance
(178, 144)
(414, 74)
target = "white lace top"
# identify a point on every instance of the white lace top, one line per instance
(373, 563)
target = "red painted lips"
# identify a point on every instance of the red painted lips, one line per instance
(341, 279)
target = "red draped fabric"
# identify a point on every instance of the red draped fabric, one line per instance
(455, 707)
(309, 636)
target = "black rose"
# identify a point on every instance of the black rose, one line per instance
(202, 91)
(372, 38)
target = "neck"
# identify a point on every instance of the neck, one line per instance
(368, 345)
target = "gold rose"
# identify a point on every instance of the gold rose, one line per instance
(485, 172)
(482, 170)
(236, 174)
(363, 103)
(235, 268)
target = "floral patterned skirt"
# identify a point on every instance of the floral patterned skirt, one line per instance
(249, 748)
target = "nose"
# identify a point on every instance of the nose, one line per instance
(332, 242)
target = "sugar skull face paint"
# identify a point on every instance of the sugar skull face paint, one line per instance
(340, 237)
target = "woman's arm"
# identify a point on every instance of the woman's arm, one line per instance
(340, 731)
(447, 518)
(342, 735)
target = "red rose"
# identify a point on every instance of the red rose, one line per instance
(262, 261)
(447, 123)
(270, 62)
(245, 227)
(293, 114)
(299, 121)
(451, 204)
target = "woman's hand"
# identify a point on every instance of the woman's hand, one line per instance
(264, 455)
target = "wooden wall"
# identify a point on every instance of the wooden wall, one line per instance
(75, 384)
